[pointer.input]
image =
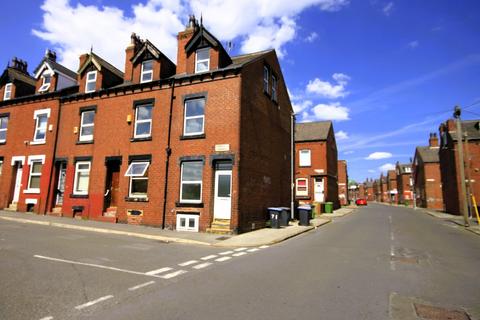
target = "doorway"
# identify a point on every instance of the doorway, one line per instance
(17, 183)
(319, 190)
(112, 183)
(222, 207)
(61, 174)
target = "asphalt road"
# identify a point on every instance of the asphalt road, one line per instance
(373, 264)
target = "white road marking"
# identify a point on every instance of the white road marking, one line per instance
(226, 252)
(47, 318)
(238, 254)
(187, 263)
(240, 249)
(392, 255)
(91, 303)
(173, 274)
(154, 272)
(223, 259)
(263, 247)
(392, 251)
(391, 236)
(92, 265)
(209, 257)
(141, 285)
(253, 250)
(201, 266)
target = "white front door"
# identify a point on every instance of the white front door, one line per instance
(318, 189)
(62, 172)
(18, 183)
(222, 208)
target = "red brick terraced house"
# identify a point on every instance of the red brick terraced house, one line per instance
(177, 146)
(449, 163)
(343, 182)
(376, 190)
(426, 175)
(392, 191)
(369, 191)
(404, 183)
(316, 167)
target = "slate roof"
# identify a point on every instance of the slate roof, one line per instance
(312, 131)
(428, 155)
(14, 74)
(56, 67)
(403, 166)
(103, 63)
(471, 127)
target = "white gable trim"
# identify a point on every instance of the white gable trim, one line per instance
(42, 70)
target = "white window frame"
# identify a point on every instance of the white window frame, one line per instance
(266, 79)
(149, 134)
(87, 81)
(190, 182)
(408, 170)
(45, 85)
(33, 174)
(36, 116)
(187, 217)
(5, 129)
(146, 72)
(87, 137)
(193, 117)
(274, 88)
(197, 61)
(302, 162)
(136, 176)
(30, 161)
(77, 171)
(1, 167)
(301, 193)
(7, 93)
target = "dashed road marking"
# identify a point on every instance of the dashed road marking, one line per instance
(392, 255)
(187, 263)
(238, 254)
(392, 236)
(226, 252)
(91, 303)
(201, 266)
(154, 272)
(253, 250)
(240, 249)
(209, 257)
(223, 259)
(47, 318)
(173, 274)
(263, 247)
(141, 286)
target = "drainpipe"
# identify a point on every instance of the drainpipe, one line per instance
(52, 167)
(292, 165)
(168, 153)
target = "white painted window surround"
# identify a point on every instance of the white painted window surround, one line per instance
(35, 162)
(82, 177)
(138, 186)
(7, 93)
(202, 60)
(41, 120)
(305, 158)
(147, 71)
(20, 159)
(301, 187)
(90, 81)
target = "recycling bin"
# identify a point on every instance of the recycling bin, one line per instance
(328, 207)
(274, 213)
(304, 212)
(284, 216)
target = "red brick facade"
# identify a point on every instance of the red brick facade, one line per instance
(404, 183)
(343, 183)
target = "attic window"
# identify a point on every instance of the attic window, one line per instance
(147, 71)
(47, 79)
(91, 81)
(7, 95)
(202, 60)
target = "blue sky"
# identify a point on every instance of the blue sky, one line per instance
(387, 72)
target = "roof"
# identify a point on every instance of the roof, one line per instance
(472, 128)
(92, 57)
(428, 154)
(403, 166)
(312, 131)
(56, 67)
(14, 74)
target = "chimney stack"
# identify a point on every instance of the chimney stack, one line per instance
(51, 55)
(19, 64)
(433, 141)
(130, 51)
(182, 39)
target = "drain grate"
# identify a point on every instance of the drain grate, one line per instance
(222, 238)
(410, 260)
(436, 313)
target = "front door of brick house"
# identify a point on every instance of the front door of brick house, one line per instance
(222, 208)
(18, 182)
(62, 172)
(318, 189)
(112, 183)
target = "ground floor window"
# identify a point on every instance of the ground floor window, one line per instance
(35, 175)
(187, 222)
(138, 173)
(191, 182)
(82, 177)
(301, 187)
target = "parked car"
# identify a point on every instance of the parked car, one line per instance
(361, 202)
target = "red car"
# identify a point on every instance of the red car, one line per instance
(361, 202)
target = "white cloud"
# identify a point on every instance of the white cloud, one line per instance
(341, 135)
(371, 171)
(256, 24)
(333, 111)
(413, 44)
(388, 9)
(379, 155)
(311, 37)
(386, 167)
(298, 107)
(327, 89)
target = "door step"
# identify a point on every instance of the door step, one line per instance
(56, 211)
(220, 226)
(12, 207)
(111, 212)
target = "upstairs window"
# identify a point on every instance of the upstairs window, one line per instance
(86, 125)
(1, 165)
(91, 81)
(41, 120)
(194, 117)
(266, 77)
(143, 121)
(7, 94)
(202, 60)
(35, 175)
(47, 79)
(191, 182)
(274, 88)
(305, 158)
(408, 170)
(3, 128)
(138, 173)
(82, 178)
(147, 71)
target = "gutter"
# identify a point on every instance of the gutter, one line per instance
(168, 153)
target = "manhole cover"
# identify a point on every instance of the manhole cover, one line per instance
(223, 238)
(410, 260)
(436, 313)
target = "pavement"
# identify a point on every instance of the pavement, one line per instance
(266, 236)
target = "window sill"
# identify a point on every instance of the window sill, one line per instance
(141, 139)
(85, 142)
(79, 196)
(188, 204)
(32, 143)
(303, 197)
(193, 137)
(3, 142)
(32, 191)
(304, 166)
(133, 199)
